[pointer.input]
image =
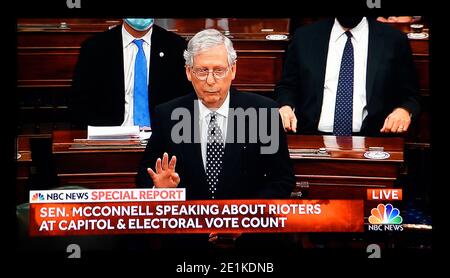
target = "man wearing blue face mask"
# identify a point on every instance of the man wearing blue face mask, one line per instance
(123, 73)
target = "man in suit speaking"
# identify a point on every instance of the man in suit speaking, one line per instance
(348, 76)
(220, 157)
(222, 151)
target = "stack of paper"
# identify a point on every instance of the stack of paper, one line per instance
(113, 133)
(112, 137)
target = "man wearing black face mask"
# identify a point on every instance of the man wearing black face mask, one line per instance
(123, 73)
(348, 76)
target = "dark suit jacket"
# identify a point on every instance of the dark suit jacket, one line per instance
(391, 77)
(98, 95)
(247, 174)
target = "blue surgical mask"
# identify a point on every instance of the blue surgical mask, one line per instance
(140, 24)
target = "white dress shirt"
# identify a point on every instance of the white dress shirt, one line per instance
(360, 41)
(130, 50)
(205, 117)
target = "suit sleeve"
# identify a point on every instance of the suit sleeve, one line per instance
(280, 178)
(407, 79)
(79, 93)
(286, 89)
(153, 151)
(182, 85)
(186, 85)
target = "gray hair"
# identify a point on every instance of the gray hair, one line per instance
(206, 39)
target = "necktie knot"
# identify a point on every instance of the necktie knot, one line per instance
(349, 34)
(213, 117)
(139, 44)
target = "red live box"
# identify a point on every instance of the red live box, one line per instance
(384, 194)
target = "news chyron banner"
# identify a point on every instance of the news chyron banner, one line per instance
(131, 211)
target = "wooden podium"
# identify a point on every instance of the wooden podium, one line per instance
(330, 167)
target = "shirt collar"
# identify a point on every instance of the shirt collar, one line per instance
(357, 32)
(222, 110)
(128, 39)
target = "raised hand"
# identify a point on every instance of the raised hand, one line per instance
(165, 176)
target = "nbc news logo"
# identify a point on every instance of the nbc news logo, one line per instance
(385, 218)
(38, 197)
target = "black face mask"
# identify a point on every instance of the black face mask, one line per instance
(349, 21)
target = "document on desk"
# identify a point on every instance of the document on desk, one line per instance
(113, 137)
(113, 133)
(145, 135)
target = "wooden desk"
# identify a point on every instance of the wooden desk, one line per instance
(346, 173)
(93, 168)
(24, 165)
(23, 168)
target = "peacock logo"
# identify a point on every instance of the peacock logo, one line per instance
(385, 214)
(37, 197)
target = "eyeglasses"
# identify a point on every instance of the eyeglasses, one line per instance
(203, 73)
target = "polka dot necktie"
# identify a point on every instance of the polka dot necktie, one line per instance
(214, 153)
(343, 113)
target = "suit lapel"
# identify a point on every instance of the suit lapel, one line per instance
(319, 46)
(193, 154)
(232, 153)
(156, 61)
(117, 75)
(375, 49)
